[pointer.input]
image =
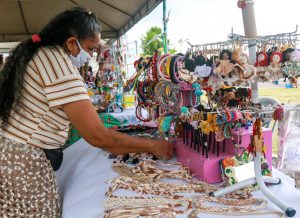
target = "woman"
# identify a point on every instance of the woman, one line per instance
(1, 61)
(41, 92)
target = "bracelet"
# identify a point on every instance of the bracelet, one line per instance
(167, 95)
(174, 76)
(158, 69)
(167, 66)
(161, 68)
(138, 112)
(153, 66)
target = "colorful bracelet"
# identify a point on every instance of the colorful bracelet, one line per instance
(162, 68)
(138, 112)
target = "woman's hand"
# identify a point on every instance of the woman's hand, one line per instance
(162, 149)
(83, 116)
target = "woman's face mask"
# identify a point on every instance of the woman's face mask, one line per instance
(82, 58)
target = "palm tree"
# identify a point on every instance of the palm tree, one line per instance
(181, 41)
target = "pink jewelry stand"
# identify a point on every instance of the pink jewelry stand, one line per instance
(208, 169)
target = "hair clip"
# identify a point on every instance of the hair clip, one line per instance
(36, 38)
(89, 12)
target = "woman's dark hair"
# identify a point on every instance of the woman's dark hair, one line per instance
(73, 22)
(1, 59)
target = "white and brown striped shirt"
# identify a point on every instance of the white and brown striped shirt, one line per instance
(50, 81)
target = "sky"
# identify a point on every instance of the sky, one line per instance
(207, 21)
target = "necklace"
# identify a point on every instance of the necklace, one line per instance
(145, 178)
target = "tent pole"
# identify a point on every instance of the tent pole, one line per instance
(165, 26)
(250, 32)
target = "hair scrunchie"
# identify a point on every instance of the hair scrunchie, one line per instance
(36, 38)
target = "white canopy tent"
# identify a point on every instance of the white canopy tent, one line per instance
(23, 18)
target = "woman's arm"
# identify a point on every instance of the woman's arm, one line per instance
(85, 119)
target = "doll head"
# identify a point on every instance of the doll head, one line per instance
(262, 59)
(229, 95)
(276, 57)
(236, 55)
(225, 54)
(286, 55)
(244, 59)
(295, 55)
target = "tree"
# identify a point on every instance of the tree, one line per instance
(181, 41)
(152, 41)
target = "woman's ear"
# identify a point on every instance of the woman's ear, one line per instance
(71, 46)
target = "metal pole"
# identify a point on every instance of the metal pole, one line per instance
(136, 48)
(165, 27)
(250, 32)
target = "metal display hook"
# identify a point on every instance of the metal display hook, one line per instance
(281, 38)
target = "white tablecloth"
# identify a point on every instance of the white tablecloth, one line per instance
(128, 116)
(85, 170)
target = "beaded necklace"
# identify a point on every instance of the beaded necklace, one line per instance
(145, 179)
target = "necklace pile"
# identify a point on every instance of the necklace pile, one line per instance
(169, 199)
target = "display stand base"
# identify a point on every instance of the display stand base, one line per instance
(208, 169)
(260, 180)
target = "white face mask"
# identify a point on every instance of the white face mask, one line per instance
(82, 58)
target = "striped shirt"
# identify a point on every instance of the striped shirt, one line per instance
(50, 81)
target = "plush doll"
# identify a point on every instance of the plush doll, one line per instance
(215, 83)
(291, 67)
(189, 63)
(249, 72)
(233, 76)
(261, 65)
(236, 55)
(295, 55)
(295, 58)
(203, 71)
(225, 54)
(224, 66)
(274, 69)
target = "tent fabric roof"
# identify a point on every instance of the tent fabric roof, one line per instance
(22, 18)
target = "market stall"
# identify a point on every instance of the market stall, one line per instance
(213, 135)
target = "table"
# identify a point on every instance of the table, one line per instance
(85, 170)
(125, 118)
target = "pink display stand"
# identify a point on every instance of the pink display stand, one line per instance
(208, 169)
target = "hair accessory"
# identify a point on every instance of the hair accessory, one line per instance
(241, 4)
(36, 38)
(89, 12)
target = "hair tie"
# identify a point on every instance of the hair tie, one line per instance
(36, 38)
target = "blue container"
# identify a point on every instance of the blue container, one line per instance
(276, 82)
(288, 86)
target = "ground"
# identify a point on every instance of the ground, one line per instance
(284, 95)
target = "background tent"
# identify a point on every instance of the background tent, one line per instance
(22, 18)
